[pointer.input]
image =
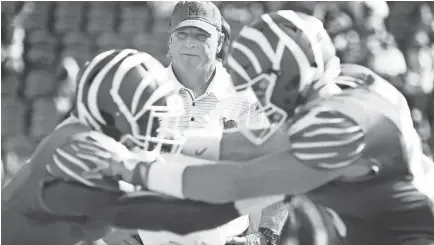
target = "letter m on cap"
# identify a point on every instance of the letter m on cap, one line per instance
(195, 10)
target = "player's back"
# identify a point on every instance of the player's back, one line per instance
(24, 217)
(384, 207)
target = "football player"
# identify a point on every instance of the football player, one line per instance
(122, 113)
(351, 148)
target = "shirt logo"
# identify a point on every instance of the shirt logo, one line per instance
(200, 153)
(228, 124)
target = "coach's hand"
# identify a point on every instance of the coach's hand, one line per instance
(254, 238)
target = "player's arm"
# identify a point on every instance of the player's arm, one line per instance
(79, 180)
(155, 212)
(83, 184)
(235, 147)
(323, 145)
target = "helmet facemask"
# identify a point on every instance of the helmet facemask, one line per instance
(259, 91)
(156, 125)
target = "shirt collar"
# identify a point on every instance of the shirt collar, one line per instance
(220, 86)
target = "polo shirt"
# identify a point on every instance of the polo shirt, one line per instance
(219, 101)
(204, 115)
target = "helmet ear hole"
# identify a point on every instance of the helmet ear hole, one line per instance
(110, 128)
(288, 102)
(108, 118)
(290, 86)
(143, 123)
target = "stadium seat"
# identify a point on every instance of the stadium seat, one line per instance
(40, 16)
(100, 24)
(135, 12)
(39, 83)
(143, 38)
(41, 48)
(10, 84)
(80, 54)
(36, 22)
(74, 39)
(130, 26)
(44, 118)
(64, 24)
(17, 149)
(70, 8)
(13, 116)
(161, 25)
(9, 7)
(40, 36)
(102, 17)
(112, 40)
(41, 56)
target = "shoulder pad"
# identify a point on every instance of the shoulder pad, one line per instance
(325, 138)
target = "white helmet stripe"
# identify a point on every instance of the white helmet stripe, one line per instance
(300, 23)
(92, 98)
(146, 81)
(250, 56)
(163, 90)
(234, 65)
(118, 78)
(125, 67)
(260, 39)
(82, 112)
(299, 55)
(149, 78)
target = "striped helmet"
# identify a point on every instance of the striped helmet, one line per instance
(312, 224)
(275, 60)
(122, 94)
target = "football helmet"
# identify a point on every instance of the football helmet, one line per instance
(312, 224)
(122, 93)
(276, 60)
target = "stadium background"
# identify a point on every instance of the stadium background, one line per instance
(43, 44)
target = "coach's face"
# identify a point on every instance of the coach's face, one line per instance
(193, 48)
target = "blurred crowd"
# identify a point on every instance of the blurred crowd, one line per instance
(45, 43)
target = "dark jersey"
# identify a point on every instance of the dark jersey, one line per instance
(59, 196)
(384, 207)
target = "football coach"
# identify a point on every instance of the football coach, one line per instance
(198, 45)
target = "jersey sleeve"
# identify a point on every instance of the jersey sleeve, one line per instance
(325, 138)
(156, 212)
(81, 187)
(88, 159)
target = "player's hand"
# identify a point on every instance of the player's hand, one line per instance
(253, 238)
(109, 157)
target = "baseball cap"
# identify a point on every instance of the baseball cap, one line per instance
(202, 14)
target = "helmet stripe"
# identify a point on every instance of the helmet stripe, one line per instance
(118, 79)
(249, 55)
(314, 43)
(163, 90)
(82, 112)
(235, 66)
(148, 80)
(92, 98)
(259, 38)
(301, 58)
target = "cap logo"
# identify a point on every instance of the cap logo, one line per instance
(196, 11)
